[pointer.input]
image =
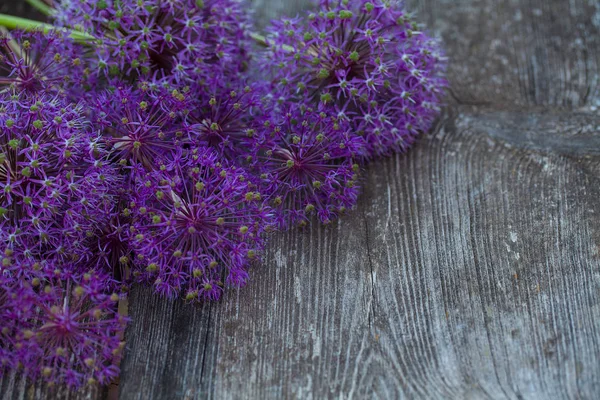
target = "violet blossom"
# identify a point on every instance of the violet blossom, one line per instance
(56, 184)
(307, 164)
(198, 225)
(60, 327)
(140, 125)
(157, 153)
(228, 118)
(33, 61)
(370, 61)
(174, 41)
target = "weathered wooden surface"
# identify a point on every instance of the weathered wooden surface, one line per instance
(470, 268)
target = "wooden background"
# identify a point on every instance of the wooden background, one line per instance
(470, 268)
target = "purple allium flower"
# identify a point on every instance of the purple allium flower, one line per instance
(198, 225)
(367, 59)
(16, 309)
(142, 126)
(55, 182)
(60, 326)
(111, 250)
(228, 119)
(34, 61)
(176, 39)
(78, 331)
(307, 165)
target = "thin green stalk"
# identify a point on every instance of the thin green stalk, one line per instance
(263, 41)
(260, 39)
(41, 6)
(14, 46)
(12, 22)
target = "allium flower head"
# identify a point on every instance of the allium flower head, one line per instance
(78, 331)
(367, 59)
(176, 40)
(307, 164)
(198, 225)
(142, 126)
(228, 119)
(110, 248)
(32, 62)
(55, 182)
(60, 326)
(17, 301)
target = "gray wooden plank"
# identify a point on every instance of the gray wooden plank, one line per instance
(558, 132)
(519, 52)
(487, 271)
(165, 347)
(469, 269)
(303, 325)
(14, 387)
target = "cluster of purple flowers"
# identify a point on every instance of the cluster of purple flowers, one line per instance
(368, 62)
(165, 146)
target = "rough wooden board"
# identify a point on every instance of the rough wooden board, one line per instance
(166, 351)
(519, 52)
(486, 270)
(557, 132)
(470, 269)
(471, 266)
(15, 388)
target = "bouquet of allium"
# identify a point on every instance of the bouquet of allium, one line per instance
(156, 142)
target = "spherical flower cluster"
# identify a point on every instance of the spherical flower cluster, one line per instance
(156, 153)
(56, 183)
(306, 162)
(141, 125)
(177, 40)
(57, 189)
(110, 247)
(61, 328)
(228, 118)
(198, 225)
(368, 60)
(34, 61)
(16, 305)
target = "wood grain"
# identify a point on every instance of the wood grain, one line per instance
(470, 268)
(517, 53)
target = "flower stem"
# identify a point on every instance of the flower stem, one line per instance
(263, 41)
(40, 6)
(260, 39)
(12, 22)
